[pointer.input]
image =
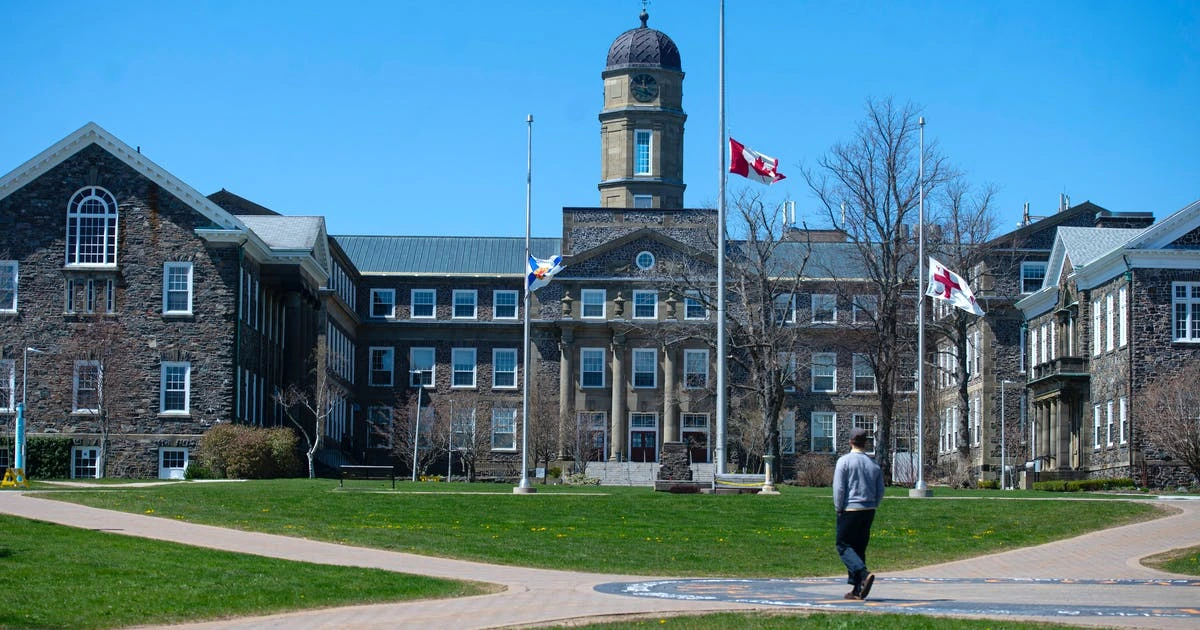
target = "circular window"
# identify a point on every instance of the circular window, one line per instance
(645, 261)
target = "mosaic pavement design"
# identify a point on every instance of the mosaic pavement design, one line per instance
(796, 593)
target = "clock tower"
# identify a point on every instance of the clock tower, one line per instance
(641, 125)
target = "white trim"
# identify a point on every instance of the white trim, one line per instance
(516, 297)
(15, 267)
(167, 267)
(388, 355)
(454, 295)
(496, 353)
(371, 303)
(454, 371)
(187, 388)
(583, 294)
(412, 301)
(644, 292)
(634, 372)
(92, 133)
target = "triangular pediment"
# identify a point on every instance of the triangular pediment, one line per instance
(92, 133)
(616, 258)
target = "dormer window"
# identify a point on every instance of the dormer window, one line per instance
(92, 228)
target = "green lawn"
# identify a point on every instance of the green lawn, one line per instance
(62, 577)
(1182, 561)
(619, 529)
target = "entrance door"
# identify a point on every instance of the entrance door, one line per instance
(695, 436)
(643, 437)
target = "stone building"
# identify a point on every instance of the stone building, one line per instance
(1115, 313)
(154, 312)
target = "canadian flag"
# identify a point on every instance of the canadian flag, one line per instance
(949, 286)
(753, 165)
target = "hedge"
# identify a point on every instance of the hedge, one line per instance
(238, 451)
(1083, 485)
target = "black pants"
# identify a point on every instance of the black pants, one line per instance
(853, 534)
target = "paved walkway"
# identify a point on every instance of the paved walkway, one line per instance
(1095, 579)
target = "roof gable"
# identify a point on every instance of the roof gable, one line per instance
(92, 133)
(1171, 232)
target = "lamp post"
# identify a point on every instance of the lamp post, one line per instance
(19, 429)
(1003, 431)
(417, 432)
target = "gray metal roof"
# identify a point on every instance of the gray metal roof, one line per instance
(280, 232)
(453, 255)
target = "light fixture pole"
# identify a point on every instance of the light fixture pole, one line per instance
(417, 433)
(1003, 431)
(19, 429)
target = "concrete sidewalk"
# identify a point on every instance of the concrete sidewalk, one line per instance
(539, 596)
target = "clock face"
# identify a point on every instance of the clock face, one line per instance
(643, 87)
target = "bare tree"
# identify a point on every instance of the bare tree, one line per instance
(413, 429)
(964, 224)
(543, 425)
(763, 272)
(314, 399)
(1172, 419)
(99, 361)
(870, 186)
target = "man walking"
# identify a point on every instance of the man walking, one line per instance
(857, 491)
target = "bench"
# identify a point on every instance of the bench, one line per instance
(737, 483)
(356, 471)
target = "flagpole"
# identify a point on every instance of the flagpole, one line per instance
(919, 489)
(524, 487)
(721, 402)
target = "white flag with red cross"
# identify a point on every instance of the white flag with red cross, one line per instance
(949, 286)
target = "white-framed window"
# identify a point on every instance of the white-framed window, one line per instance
(787, 368)
(88, 381)
(465, 302)
(592, 303)
(1096, 426)
(85, 462)
(645, 304)
(1045, 340)
(1097, 338)
(787, 432)
(785, 308)
(1023, 334)
(383, 366)
(92, 228)
(424, 303)
(504, 304)
(422, 369)
(1032, 275)
(383, 303)
(462, 429)
(693, 307)
(1109, 314)
(1033, 345)
(976, 411)
(824, 308)
(824, 372)
(864, 374)
(642, 152)
(504, 429)
(177, 288)
(379, 427)
(822, 427)
(8, 385)
(1122, 317)
(906, 374)
(644, 260)
(172, 463)
(869, 423)
(645, 367)
(463, 362)
(695, 369)
(1108, 424)
(643, 201)
(866, 308)
(8, 286)
(1185, 311)
(591, 367)
(176, 387)
(504, 368)
(976, 362)
(1123, 409)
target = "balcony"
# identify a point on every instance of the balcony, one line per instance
(1060, 373)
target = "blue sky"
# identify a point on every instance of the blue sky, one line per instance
(409, 117)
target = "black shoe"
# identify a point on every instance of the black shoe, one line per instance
(865, 589)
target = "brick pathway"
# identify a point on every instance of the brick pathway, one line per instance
(1098, 570)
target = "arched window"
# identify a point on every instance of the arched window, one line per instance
(92, 228)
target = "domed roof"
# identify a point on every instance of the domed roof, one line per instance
(643, 47)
